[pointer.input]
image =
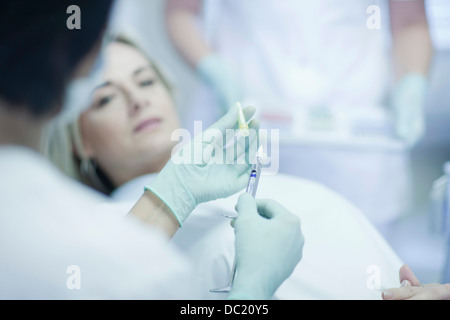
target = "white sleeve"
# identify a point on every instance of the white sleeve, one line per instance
(133, 261)
(59, 256)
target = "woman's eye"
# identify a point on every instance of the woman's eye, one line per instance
(105, 100)
(147, 83)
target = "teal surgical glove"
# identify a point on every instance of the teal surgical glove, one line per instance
(217, 75)
(269, 246)
(214, 165)
(408, 101)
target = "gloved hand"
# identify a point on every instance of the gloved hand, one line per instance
(208, 167)
(215, 72)
(269, 246)
(407, 101)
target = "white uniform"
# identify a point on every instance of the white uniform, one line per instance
(344, 257)
(59, 240)
(319, 74)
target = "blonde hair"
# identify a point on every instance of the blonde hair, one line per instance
(63, 145)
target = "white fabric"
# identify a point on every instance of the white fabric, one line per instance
(49, 223)
(293, 54)
(377, 181)
(341, 250)
(315, 71)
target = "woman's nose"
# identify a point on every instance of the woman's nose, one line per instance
(137, 104)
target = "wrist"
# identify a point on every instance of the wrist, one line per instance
(172, 191)
(207, 64)
(152, 211)
(250, 286)
(415, 81)
(410, 90)
(218, 75)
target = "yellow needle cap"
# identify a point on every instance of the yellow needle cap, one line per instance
(243, 126)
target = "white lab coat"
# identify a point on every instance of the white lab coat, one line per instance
(59, 240)
(293, 54)
(344, 257)
(296, 58)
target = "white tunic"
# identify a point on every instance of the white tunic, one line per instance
(59, 240)
(295, 54)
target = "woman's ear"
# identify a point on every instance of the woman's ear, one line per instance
(83, 152)
(87, 151)
(82, 147)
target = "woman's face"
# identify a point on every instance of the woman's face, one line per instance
(128, 127)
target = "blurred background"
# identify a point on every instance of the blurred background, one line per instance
(417, 241)
(415, 237)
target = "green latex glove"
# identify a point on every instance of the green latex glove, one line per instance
(216, 74)
(269, 246)
(209, 167)
(408, 101)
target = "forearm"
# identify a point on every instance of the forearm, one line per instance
(412, 47)
(412, 50)
(152, 211)
(182, 30)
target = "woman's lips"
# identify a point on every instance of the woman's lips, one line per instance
(147, 125)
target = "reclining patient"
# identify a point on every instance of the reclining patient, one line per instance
(124, 139)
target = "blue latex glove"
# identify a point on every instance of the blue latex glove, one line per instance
(215, 72)
(208, 167)
(269, 246)
(408, 101)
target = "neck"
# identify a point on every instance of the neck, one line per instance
(20, 128)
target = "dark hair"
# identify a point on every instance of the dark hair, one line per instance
(39, 53)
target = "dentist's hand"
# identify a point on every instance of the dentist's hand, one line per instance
(217, 75)
(209, 167)
(269, 245)
(408, 101)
